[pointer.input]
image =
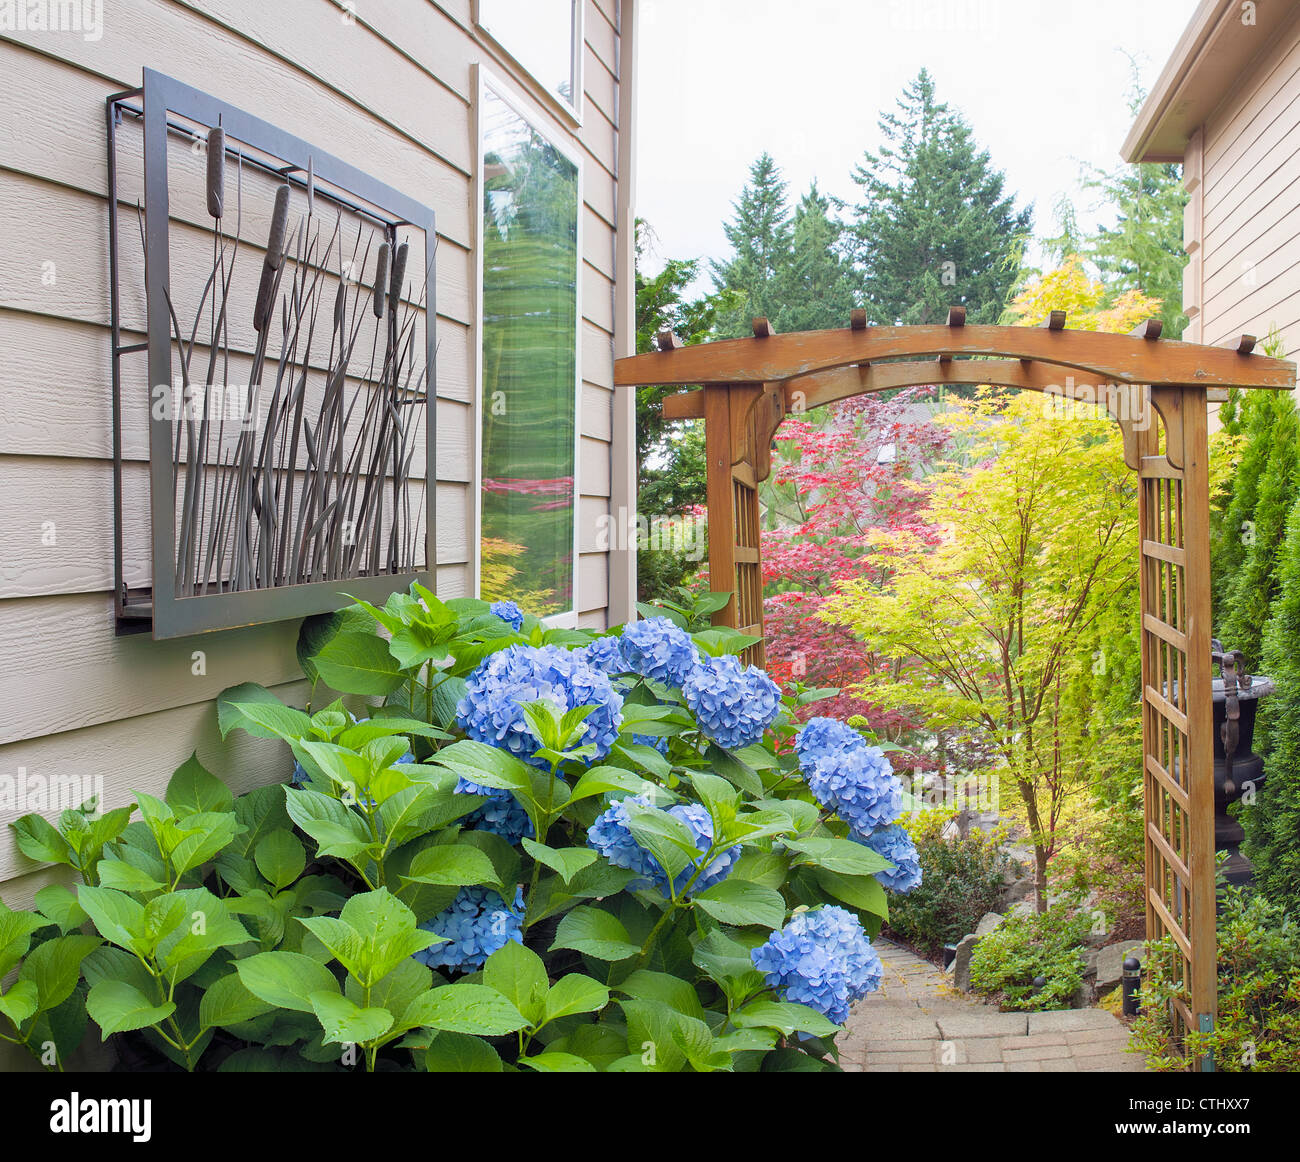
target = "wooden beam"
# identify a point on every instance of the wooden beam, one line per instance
(858, 319)
(1246, 344)
(1055, 321)
(719, 457)
(1199, 755)
(685, 405)
(667, 341)
(762, 328)
(956, 316)
(822, 387)
(1148, 329)
(1088, 355)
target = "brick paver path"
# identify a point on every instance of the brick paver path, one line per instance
(917, 1023)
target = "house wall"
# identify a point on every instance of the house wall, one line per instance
(1242, 224)
(386, 85)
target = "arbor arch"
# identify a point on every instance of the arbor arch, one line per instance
(1158, 391)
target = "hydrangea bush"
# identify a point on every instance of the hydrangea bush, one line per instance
(501, 846)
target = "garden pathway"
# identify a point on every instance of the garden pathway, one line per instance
(917, 1023)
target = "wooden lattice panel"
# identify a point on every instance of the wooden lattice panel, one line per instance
(749, 572)
(1178, 755)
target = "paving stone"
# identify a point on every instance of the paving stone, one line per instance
(919, 1028)
(919, 1045)
(877, 1056)
(917, 1021)
(1033, 1039)
(977, 1024)
(1100, 1048)
(1038, 1053)
(980, 1050)
(1072, 1020)
(1090, 1036)
(1114, 1063)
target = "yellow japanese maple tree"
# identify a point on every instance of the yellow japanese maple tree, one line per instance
(1040, 538)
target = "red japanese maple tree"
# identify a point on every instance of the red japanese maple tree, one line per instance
(848, 495)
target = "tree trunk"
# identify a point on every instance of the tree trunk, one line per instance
(1040, 878)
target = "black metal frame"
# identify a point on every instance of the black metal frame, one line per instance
(160, 609)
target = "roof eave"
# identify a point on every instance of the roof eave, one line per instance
(1214, 51)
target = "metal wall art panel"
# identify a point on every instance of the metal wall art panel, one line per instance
(289, 343)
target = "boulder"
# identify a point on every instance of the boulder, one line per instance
(1090, 962)
(988, 922)
(1110, 963)
(961, 962)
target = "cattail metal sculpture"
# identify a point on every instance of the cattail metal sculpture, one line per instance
(306, 491)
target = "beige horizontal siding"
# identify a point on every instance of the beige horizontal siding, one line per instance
(1245, 276)
(139, 754)
(385, 85)
(70, 503)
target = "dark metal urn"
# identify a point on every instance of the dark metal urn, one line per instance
(1238, 771)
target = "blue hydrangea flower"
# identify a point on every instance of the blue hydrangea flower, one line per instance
(611, 835)
(853, 779)
(502, 815)
(477, 923)
(821, 958)
(656, 648)
(733, 705)
(895, 845)
(508, 612)
(825, 738)
(491, 709)
(658, 741)
(606, 654)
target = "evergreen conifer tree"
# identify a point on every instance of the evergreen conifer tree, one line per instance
(935, 227)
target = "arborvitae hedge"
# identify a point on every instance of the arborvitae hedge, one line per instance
(1252, 589)
(1273, 822)
(1228, 546)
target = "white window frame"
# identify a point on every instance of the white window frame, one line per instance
(501, 89)
(570, 111)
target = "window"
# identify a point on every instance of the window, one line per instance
(528, 362)
(543, 37)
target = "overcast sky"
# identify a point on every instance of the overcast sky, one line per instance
(1043, 85)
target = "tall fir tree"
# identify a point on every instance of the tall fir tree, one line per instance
(817, 289)
(761, 237)
(1144, 249)
(935, 227)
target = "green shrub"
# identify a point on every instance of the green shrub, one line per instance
(1026, 946)
(962, 879)
(417, 899)
(1258, 1025)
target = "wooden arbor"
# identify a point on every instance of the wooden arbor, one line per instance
(1156, 390)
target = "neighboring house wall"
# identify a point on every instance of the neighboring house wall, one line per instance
(387, 85)
(1242, 223)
